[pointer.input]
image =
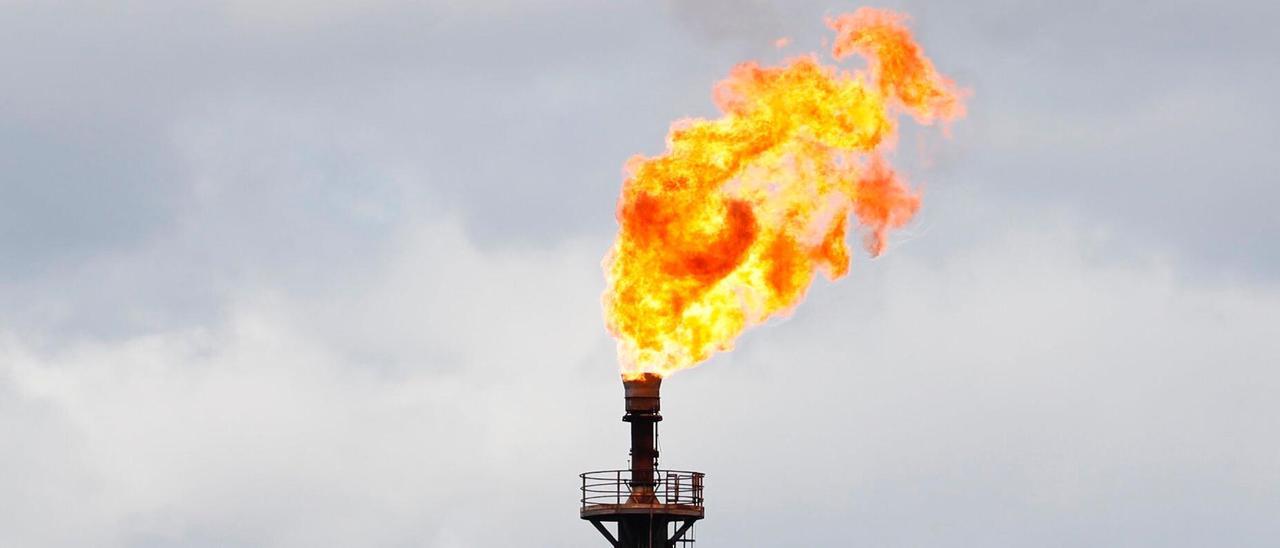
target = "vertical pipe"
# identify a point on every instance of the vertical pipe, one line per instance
(643, 406)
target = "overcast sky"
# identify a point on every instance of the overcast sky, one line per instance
(289, 275)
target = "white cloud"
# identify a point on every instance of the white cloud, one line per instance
(266, 430)
(988, 397)
(457, 386)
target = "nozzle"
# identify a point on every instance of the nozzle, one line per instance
(642, 394)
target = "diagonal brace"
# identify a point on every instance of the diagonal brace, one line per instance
(607, 535)
(680, 532)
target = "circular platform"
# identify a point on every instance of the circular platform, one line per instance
(604, 512)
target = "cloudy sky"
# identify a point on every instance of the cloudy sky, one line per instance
(285, 274)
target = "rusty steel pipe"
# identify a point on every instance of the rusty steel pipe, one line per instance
(643, 406)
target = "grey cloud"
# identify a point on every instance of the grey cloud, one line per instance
(720, 20)
(231, 152)
(286, 275)
(1146, 119)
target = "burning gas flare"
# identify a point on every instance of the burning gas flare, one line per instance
(726, 229)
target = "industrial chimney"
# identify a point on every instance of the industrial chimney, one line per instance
(653, 508)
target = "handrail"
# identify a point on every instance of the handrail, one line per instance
(601, 487)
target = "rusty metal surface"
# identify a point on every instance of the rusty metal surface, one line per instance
(650, 507)
(643, 404)
(679, 492)
(643, 394)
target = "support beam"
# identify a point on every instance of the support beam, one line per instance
(607, 535)
(680, 532)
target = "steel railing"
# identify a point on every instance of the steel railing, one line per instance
(614, 487)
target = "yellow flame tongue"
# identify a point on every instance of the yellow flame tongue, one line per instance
(728, 227)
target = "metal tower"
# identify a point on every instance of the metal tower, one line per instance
(651, 508)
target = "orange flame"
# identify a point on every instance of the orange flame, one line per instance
(726, 229)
